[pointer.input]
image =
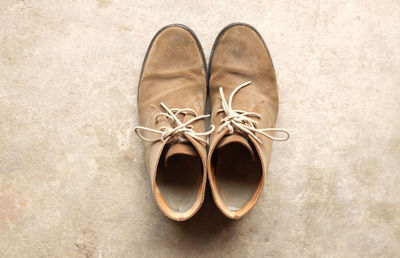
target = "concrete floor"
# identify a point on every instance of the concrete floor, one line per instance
(72, 178)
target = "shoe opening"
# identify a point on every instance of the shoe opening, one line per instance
(238, 171)
(179, 176)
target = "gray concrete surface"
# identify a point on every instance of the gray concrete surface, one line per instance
(72, 177)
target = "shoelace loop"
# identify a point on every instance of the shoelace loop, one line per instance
(179, 130)
(242, 119)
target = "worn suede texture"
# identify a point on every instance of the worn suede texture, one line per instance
(173, 73)
(240, 55)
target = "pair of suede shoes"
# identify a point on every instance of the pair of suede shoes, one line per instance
(235, 149)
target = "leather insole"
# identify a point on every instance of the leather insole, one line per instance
(179, 181)
(237, 176)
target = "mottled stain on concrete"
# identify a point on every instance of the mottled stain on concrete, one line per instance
(12, 206)
(86, 243)
(104, 3)
(384, 211)
(73, 182)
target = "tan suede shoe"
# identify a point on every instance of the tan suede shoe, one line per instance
(171, 100)
(244, 108)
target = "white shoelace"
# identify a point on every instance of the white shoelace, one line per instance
(242, 119)
(180, 129)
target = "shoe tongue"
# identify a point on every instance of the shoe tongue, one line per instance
(236, 138)
(180, 149)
